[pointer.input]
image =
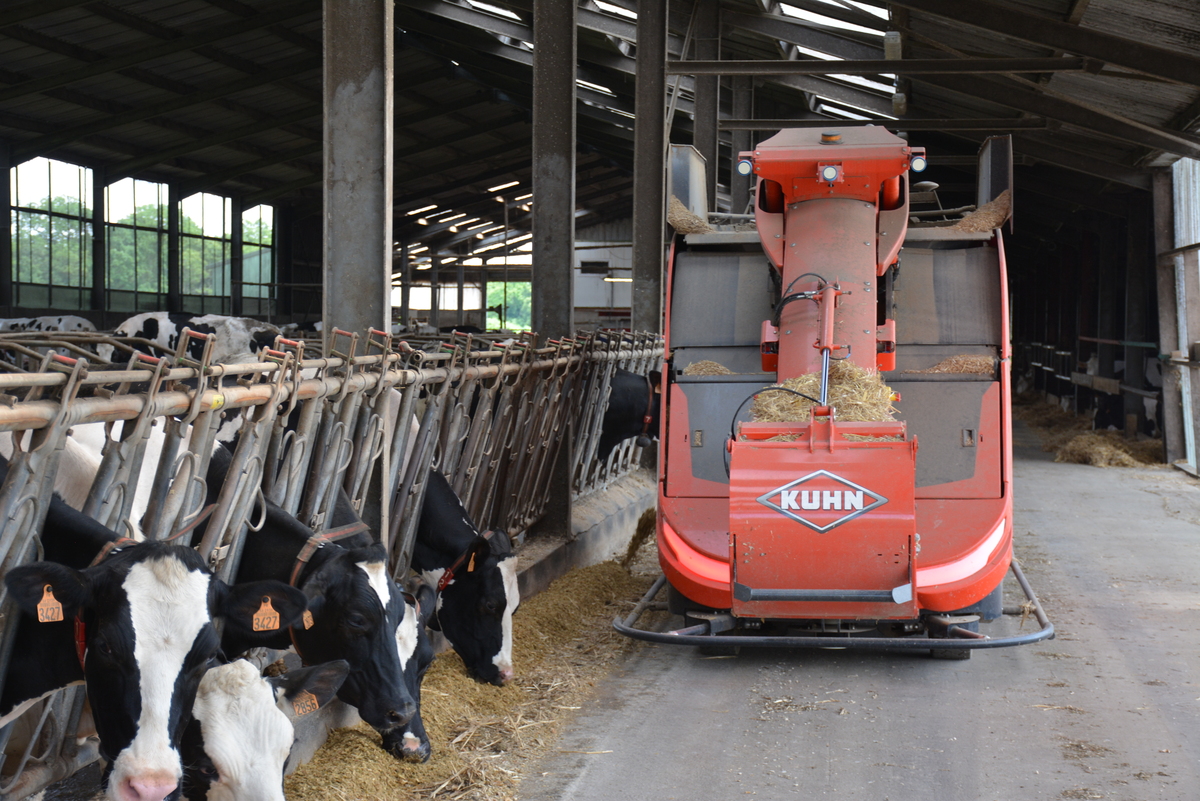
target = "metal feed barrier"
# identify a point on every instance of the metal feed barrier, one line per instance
(492, 416)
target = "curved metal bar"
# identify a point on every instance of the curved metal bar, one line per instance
(696, 635)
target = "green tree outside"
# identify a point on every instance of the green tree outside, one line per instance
(515, 298)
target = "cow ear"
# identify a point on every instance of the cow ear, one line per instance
(478, 550)
(247, 607)
(426, 603)
(500, 543)
(320, 682)
(655, 380)
(51, 582)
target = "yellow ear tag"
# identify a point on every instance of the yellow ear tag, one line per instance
(471, 564)
(308, 619)
(266, 618)
(49, 608)
(304, 703)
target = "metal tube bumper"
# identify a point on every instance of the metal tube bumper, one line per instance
(958, 638)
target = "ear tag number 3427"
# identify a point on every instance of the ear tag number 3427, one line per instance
(266, 618)
(49, 609)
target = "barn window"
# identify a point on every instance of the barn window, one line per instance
(258, 259)
(136, 245)
(51, 234)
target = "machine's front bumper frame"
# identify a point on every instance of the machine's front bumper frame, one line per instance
(957, 638)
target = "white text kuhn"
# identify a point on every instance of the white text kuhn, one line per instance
(841, 500)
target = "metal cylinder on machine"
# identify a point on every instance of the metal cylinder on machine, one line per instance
(839, 222)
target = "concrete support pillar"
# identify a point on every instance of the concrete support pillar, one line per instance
(460, 278)
(435, 289)
(174, 283)
(6, 254)
(282, 240)
(99, 241)
(358, 163)
(405, 285)
(1171, 412)
(237, 289)
(1137, 273)
(554, 49)
(707, 93)
(742, 102)
(649, 163)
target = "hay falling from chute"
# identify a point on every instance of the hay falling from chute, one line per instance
(683, 220)
(855, 395)
(989, 216)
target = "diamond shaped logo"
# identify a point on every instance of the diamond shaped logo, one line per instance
(822, 500)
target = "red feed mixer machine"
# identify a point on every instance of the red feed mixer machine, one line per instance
(827, 533)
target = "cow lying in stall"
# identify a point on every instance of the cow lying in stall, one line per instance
(235, 336)
(137, 628)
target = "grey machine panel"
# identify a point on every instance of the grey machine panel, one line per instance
(711, 403)
(719, 299)
(937, 412)
(945, 297)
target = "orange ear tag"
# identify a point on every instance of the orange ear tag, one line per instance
(266, 618)
(308, 619)
(49, 608)
(471, 564)
(304, 703)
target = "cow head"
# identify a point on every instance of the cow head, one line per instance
(147, 616)
(360, 615)
(475, 609)
(410, 742)
(633, 410)
(236, 745)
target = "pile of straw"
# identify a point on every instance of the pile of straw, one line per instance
(481, 734)
(989, 216)
(1110, 449)
(1070, 438)
(706, 367)
(982, 365)
(855, 395)
(683, 220)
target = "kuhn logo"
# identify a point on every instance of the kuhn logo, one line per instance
(822, 500)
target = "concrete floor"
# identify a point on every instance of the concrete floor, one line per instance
(1110, 709)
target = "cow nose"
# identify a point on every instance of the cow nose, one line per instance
(506, 675)
(147, 788)
(398, 717)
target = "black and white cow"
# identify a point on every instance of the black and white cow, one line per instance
(236, 745)
(235, 336)
(143, 621)
(357, 613)
(632, 410)
(56, 322)
(477, 580)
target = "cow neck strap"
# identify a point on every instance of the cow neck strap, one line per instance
(318, 541)
(648, 418)
(448, 576)
(80, 627)
(315, 543)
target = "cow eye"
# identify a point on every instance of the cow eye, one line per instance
(103, 647)
(356, 621)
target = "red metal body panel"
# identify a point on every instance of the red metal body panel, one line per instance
(679, 479)
(823, 513)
